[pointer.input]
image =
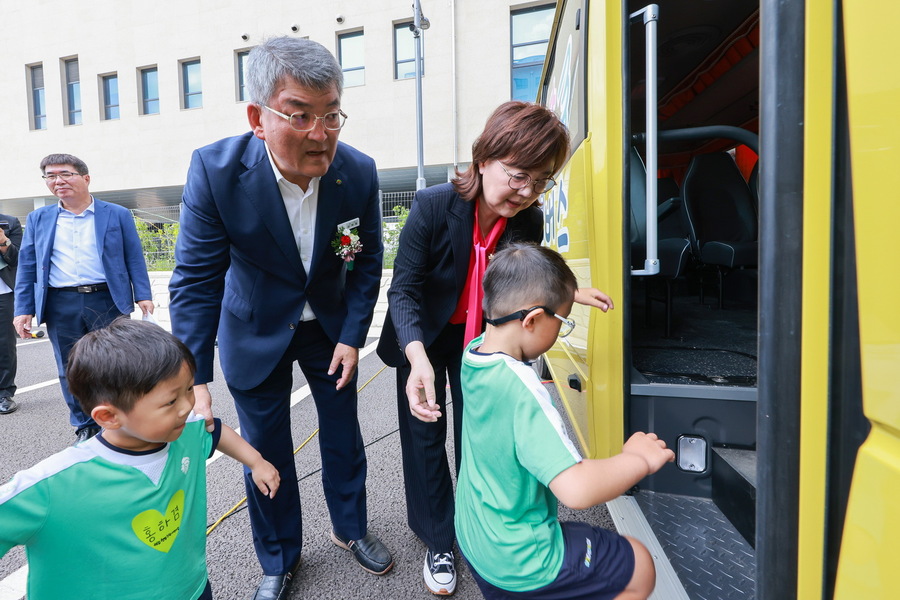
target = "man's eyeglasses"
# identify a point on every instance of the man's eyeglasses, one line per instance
(517, 181)
(302, 121)
(65, 176)
(568, 325)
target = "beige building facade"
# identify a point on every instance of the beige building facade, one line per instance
(133, 88)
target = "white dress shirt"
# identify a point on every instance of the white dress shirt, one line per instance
(75, 259)
(301, 210)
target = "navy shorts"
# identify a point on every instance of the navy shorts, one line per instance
(597, 565)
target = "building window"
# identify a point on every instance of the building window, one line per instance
(38, 100)
(242, 75)
(405, 51)
(530, 29)
(73, 92)
(149, 91)
(352, 58)
(109, 89)
(192, 96)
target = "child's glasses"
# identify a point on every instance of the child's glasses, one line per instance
(568, 325)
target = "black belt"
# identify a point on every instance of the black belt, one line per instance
(84, 289)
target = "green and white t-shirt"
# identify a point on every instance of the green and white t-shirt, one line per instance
(513, 444)
(100, 522)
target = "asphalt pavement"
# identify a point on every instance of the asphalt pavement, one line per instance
(40, 428)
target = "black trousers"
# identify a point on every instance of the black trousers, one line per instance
(264, 413)
(8, 361)
(426, 469)
(69, 316)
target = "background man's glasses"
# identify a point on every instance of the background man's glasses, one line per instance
(65, 176)
(301, 121)
(568, 325)
(519, 180)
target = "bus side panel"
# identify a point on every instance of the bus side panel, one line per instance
(818, 108)
(583, 217)
(872, 528)
(605, 213)
(566, 231)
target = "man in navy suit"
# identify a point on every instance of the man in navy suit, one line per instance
(80, 266)
(10, 240)
(264, 216)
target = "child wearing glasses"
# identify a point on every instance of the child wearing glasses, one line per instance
(517, 459)
(123, 514)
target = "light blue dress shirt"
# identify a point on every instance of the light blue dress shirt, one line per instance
(75, 259)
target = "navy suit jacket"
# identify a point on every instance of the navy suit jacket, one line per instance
(238, 271)
(8, 273)
(432, 264)
(117, 243)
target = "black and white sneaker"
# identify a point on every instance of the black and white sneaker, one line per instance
(440, 573)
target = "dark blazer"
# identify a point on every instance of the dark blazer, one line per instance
(432, 263)
(117, 243)
(8, 274)
(238, 271)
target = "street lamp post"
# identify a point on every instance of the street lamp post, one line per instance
(420, 23)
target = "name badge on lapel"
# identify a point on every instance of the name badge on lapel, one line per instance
(346, 243)
(351, 224)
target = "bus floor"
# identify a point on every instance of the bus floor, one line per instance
(707, 346)
(709, 556)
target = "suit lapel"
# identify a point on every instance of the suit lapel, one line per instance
(101, 222)
(331, 197)
(47, 226)
(261, 189)
(460, 222)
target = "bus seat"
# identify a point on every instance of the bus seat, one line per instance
(673, 247)
(753, 182)
(721, 215)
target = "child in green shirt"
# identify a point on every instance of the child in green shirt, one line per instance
(131, 501)
(517, 459)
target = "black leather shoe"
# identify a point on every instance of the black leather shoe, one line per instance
(369, 552)
(86, 433)
(7, 405)
(275, 587)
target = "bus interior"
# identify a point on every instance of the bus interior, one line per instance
(736, 279)
(692, 328)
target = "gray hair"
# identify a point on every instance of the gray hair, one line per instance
(288, 58)
(526, 274)
(64, 159)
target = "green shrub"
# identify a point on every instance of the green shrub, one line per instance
(158, 243)
(391, 235)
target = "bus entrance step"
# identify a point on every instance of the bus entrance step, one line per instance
(734, 488)
(711, 558)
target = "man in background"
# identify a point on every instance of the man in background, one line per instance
(10, 240)
(81, 265)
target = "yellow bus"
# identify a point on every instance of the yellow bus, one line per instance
(755, 328)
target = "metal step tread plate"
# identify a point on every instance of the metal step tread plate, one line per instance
(711, 558)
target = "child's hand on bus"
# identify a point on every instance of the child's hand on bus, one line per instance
(593, 297)
(649, 447)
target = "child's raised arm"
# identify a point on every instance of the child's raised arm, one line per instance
(593, 481)
(264, 474)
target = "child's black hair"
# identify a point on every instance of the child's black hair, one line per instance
(523, 274)
(122, 362)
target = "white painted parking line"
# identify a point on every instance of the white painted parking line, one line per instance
(37, 341)
(13, 586)
(36, 386)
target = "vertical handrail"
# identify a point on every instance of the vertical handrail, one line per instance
(649, 15)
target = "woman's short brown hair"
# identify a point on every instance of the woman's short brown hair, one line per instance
(526, 135)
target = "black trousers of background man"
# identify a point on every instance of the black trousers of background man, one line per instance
(8, 336)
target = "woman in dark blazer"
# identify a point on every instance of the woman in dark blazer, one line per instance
(435, 301)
